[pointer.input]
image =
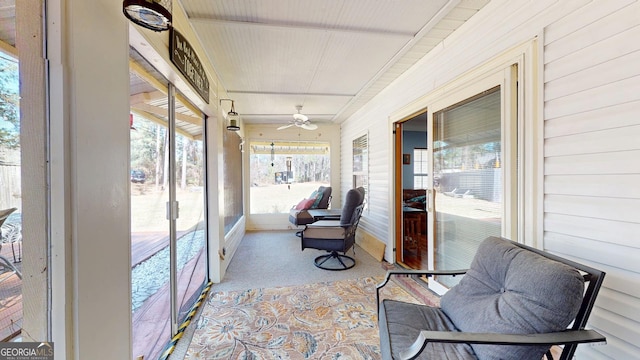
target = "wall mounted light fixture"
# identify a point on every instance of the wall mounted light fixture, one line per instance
(151, 14)
(232, 117)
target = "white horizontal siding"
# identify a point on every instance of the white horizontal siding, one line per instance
(619, 303)
(623, 162)
(593, 207)
(593, 99)
(617, 186)
(596, 252)
(604, 141)
(618, 115)
(591, 149)
(498, 27)
(598, 53)
(611, 323)
(591, 110)
(598, 21)
(617, 69)
(375, 217)
(607, 231)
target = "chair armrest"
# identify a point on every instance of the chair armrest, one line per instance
(553, 338)
(326, 223)
(331, 217)
(427, 273)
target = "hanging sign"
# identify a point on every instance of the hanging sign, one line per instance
(185, 59)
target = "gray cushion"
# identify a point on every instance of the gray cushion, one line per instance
(353, 199)
(400, 324)
(326, 195)
(511, 290)
(362, 192)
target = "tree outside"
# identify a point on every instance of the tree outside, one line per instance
(271, 193)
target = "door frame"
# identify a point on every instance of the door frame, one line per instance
(398, 141)
(529, 59)
(505, 79)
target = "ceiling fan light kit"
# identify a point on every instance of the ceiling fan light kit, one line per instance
(151, 14)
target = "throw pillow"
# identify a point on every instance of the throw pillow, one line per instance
(317, 199)
(305, 204)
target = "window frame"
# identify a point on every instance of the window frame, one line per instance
(361, 173)
(424, 153)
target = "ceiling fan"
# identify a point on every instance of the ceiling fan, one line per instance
(300, 120)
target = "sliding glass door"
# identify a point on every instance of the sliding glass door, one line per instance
(150, 231)
(190, 224)
(474, 188)
(168, 232)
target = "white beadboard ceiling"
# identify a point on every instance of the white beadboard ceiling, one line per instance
(330, 56)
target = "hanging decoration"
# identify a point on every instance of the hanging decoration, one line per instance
(273, 153)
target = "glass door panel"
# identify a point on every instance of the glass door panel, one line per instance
(150, 272)
(468, 179)
(11, 313)
(190, 194)
(168, 232)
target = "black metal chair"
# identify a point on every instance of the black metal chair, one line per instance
(6, 267)
(511, 295)
(336, 236)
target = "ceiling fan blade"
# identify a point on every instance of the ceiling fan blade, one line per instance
(308, 126)
(285, 126)
(300, 117)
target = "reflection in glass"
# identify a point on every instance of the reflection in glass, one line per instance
(150, 290)
(233, 199)
(10, 202)
(467, 178)
(190, 225)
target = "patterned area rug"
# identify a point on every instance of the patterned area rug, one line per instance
(328, 320)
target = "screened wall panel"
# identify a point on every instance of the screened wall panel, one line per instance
(233, 198)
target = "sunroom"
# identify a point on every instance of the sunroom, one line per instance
(509, 118)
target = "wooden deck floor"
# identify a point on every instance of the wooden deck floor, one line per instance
(146, 244)
(151, 319)
(151, 322)
(10, 299)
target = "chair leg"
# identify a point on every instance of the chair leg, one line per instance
(13, 250)
(341, 262)
(7, 264)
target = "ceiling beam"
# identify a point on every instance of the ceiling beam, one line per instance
(290, 143)
(163, 122)
(9, 49)
(246, 92)
(144, 74)
(146, 97)
(157, 110)
(301, 26)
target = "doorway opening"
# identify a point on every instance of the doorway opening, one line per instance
(412, 176)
